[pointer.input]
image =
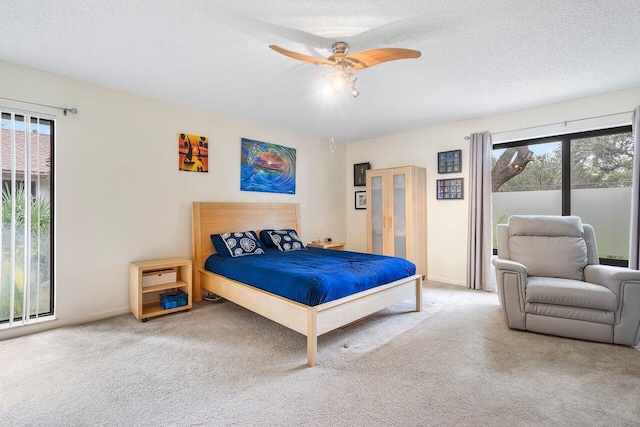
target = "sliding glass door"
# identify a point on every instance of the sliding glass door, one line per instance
(26, 285)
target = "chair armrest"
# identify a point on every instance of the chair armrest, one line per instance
(505, 264)
(511, 278)
(610, 276)
(625, 283)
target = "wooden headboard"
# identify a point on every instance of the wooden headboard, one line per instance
(214, 218)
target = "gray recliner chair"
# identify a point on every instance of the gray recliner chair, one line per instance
(550, 281)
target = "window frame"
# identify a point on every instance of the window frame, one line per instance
(33, 116)
(565, 140)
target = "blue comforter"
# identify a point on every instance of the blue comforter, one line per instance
(312, 276)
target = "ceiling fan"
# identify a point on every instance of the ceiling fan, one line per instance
(344, 64)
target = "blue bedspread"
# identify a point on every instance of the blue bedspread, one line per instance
(312, 276)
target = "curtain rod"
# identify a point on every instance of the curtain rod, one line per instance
(64, 109)
(565, 122)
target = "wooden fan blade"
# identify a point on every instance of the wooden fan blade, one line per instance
(369, 58)
(302, 57)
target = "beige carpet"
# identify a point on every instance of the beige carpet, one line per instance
(455, 364)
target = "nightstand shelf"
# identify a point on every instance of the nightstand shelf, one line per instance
(152, 309)
(145, 300)
(163, 287)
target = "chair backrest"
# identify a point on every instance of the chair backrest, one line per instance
(552, 246)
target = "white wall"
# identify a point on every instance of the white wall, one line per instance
(447, 219)
(119, 196)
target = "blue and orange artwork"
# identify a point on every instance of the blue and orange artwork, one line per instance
(193, 153)
(268, 168)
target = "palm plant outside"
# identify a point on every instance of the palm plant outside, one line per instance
(40, 213)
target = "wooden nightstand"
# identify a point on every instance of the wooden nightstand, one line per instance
(144, 300)
(338, 246)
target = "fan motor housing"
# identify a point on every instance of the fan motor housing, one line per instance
(340, 48)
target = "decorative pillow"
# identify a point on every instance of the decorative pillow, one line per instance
(266, 239)
(286, 240)
(237, 244)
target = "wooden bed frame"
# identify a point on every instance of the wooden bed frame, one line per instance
(214, 218)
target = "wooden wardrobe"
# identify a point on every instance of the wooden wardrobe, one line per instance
(397, 214)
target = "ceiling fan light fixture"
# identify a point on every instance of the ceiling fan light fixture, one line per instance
(340, 79)
(343, 63)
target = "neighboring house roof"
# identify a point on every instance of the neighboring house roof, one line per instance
(45, 153)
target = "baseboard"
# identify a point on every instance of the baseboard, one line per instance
(447, 280)
(19, 331)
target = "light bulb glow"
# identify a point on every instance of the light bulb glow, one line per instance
(340, 79)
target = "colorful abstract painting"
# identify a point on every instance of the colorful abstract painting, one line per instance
(193, 153)
(268, 168)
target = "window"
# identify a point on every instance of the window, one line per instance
(26, 273)
(587, 174)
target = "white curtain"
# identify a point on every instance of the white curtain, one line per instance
(480, 248)
(634, 247)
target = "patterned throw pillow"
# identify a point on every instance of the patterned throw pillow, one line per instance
(286, 240)
(237, 244)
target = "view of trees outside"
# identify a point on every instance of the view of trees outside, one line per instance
(26, 220)
(40, 254)
(528, 180)
(602, 162)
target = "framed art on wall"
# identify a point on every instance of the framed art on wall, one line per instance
(267, 168)
(360, 174)
(361, 200)
(450, 161)
(449, 189)
(193, 153)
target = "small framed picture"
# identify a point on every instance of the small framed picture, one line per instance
(360, 174)
(361, 200)
(449, 189)
(450, 161)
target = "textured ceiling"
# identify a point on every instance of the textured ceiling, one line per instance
(478, 57)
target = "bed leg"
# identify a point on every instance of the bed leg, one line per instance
(197, 290)
(312, 337)
(419, 294)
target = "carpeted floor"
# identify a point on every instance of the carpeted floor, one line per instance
(454, 364)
